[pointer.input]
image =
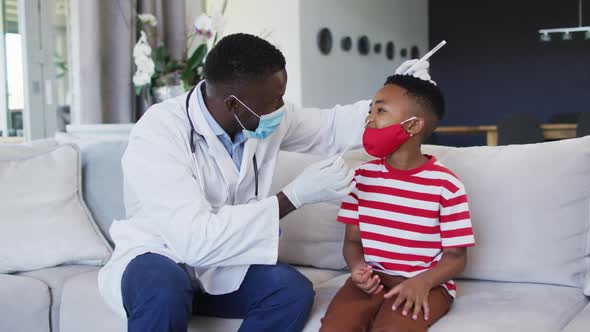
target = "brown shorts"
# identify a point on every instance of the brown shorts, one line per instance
(352, 309)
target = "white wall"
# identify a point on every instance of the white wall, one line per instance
(343, 77)
(3, 83)
(278, 22)
(319, 80)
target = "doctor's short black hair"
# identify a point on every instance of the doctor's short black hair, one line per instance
(242, 57)
(426, 94)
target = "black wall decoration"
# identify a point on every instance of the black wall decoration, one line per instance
(415, 52)
(390, 50)
(377, 48)
(364, 45)
(325, 41)
(346, 43)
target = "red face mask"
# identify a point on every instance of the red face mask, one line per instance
(382, 142)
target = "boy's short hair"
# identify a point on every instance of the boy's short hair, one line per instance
(425, 93)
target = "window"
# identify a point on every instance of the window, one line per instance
(34, 68)
(12, 87)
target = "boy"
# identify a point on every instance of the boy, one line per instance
(407, 221)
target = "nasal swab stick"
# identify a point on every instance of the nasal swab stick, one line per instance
(351, 143)
(426, 57)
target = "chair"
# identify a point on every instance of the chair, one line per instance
(583, 125)
(519, 129)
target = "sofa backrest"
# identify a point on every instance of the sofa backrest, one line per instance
(530, 207)
(102, 181)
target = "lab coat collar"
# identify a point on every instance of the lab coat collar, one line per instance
(201, 125)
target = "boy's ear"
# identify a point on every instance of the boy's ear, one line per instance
(416, 127)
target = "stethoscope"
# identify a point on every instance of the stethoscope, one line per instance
(194, 147)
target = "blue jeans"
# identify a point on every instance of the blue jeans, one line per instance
(158, 296)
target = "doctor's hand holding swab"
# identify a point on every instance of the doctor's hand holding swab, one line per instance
(419, 68)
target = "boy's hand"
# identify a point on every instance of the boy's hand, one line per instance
(363, 278)
(414, 292)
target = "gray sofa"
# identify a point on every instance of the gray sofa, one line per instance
(529, 271)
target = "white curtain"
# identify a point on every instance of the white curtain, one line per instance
(106, 36)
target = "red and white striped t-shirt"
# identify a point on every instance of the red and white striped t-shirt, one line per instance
(406, 217)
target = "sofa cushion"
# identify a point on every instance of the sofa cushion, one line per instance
(54, 278)
(530, 209)
(492, 306)
(24, 304)
(580, 323)
(83, 309)
(311, 236)
(44, 220)
(27, 149)
(102, 174)
(319, 276)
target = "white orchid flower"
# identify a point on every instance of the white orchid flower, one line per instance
(204, 25)
(142, 48)
(140, 79)
(148, 19)
(143, 61)
(146, 65)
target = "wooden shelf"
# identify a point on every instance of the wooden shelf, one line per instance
(551, 131)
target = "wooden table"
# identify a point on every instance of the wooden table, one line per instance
(551, 131)
(11, 140)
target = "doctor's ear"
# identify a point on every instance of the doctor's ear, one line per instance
(231, 104)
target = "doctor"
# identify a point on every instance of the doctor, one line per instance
(203, 228)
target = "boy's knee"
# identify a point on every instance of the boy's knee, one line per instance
(398, 329)
(342, 324)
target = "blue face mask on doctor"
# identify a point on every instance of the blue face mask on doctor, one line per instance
(267, 123)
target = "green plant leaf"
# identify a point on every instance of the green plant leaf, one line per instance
(187, 77)
(159, 66)
(138, 90)
(161, 59)
(189, 73)
(172, 66)
(197, 57)
(161, 53)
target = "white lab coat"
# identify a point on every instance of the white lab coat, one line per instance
(218, 227)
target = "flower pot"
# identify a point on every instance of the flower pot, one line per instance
(162, 93)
